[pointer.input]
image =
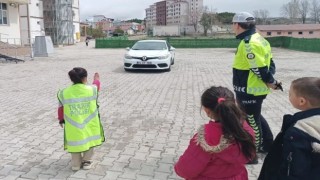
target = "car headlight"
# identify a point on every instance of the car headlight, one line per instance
(127, 56)
(164, 57)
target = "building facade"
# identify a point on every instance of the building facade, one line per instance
(22, 20)
(174, 12)
(10, 21)
(291, 30)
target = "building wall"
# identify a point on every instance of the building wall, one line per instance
(295, 34)
(76, 20)
(178, 12)
(151, 19)
(10, 32)
(161, 13)
(36, 21)
(195, 10)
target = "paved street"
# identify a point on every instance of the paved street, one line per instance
(148, 117)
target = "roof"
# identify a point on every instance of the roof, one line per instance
(289, 27)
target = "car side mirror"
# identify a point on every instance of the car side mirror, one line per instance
(127, 48)
(172, 48)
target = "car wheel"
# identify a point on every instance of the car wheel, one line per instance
(172, 61)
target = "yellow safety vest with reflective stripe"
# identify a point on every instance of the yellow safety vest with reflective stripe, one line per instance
(251, 55)
(83, 128)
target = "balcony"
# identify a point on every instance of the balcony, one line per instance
(19, 1)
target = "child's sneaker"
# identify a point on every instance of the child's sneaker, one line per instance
(87, 165)
(75, 168)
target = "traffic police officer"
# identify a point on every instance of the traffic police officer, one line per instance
(253, 71)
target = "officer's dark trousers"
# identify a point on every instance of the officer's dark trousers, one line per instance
(252, 107)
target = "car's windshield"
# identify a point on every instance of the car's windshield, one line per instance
(149, 46)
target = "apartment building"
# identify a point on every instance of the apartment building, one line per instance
(174, 12)
(23, 20)
(151, 18)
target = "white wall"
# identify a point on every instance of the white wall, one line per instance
(11, 32)
(36, 21)
(76, 20)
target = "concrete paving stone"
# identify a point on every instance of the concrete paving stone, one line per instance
(114, 153)
(45, 176)
(18, 162)
(140, 156)
(129, 151)
(161, 176)
(124, 158)
(164, 167)
(33, 173)
(94, 177)
(155, 154)
(63, 174)
(112, 175)
(143, 177)
(118, 166)
(129, 173)
(80, 174)
(168, 159)
(135, 164)
(108, 161)
(7, 169)
(99, 169)
(52, 169)
(147, 170)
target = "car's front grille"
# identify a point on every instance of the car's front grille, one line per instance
(144, 66)
(147, 58)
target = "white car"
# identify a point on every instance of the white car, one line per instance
(149, 54)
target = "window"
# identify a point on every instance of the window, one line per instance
(3, 13)
(279, 33)
(310, 32)
(289, 32)
(268, 33)
(300, 32)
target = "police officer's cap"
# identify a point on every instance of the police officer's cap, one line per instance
(243, 17)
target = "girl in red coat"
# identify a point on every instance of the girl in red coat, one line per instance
(221, 148)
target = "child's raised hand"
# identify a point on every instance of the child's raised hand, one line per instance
(96, 76)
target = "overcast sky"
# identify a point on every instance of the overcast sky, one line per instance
(129, 9)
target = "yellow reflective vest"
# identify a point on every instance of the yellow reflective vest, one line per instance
(83, 128)
(253, 58)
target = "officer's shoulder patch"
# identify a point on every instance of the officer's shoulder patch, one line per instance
(251, 56)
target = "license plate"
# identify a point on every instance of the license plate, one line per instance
(144, 62)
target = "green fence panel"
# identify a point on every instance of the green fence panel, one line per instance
(309, 45)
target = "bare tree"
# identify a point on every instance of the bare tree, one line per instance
(261, 16)
(264, 14)
(195, 18)
(303, 10)
(291, 10)
(315, 11)
(208, 18)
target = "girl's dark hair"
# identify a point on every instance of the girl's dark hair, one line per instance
(77, 74)
(227, 112)
(309, 88)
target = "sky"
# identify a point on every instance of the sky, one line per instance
(129, 9)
